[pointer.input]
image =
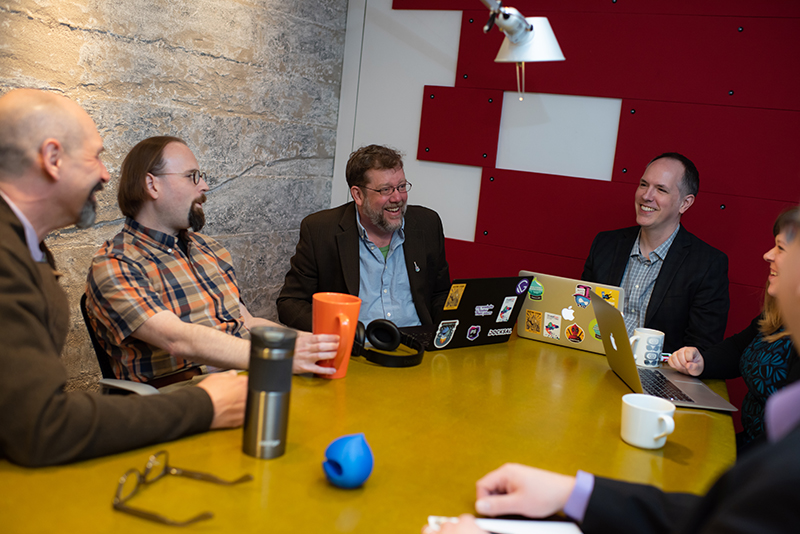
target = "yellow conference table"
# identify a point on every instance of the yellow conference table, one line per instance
(434, 430)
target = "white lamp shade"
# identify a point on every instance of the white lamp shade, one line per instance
(542, 46)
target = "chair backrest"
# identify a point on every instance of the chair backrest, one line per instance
(99, 352)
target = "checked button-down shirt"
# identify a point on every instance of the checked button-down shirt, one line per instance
(141, 272)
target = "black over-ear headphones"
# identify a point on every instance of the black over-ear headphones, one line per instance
(385, 336)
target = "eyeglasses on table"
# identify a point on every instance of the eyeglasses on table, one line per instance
(156, 468)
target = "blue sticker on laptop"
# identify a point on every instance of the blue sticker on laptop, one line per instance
(445, 333)
(522, 286)
(581, 295)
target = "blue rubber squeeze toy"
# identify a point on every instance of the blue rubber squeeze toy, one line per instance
(348, 461)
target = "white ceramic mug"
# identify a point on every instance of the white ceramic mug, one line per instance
(646, 420)
(646, 345)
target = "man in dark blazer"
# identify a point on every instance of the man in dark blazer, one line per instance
(758, 495)
(377, 247)
(673, 281)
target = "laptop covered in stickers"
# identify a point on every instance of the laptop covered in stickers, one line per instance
(480, 311)
(558, 310)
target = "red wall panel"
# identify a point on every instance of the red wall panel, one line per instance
(560, 216)
(460, 125)
(556, 215)
(650, 57)
(474, 260)
(531, 8)
(738, 151)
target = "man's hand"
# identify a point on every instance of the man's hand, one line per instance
(228, 392)
(310, 349)
(687, 360)
(518, 489)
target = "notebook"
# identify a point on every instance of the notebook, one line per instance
(480, 311)
(557, 310)
(664, 382)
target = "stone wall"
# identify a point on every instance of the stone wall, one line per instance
(252, 86)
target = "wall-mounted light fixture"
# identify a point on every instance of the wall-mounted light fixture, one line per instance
(527, 39)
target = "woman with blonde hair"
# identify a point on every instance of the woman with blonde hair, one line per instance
(760, 354)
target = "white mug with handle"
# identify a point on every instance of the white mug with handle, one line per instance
(646, 420)
(646, 345)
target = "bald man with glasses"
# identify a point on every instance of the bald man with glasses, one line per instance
(377, 247)
(162, 298)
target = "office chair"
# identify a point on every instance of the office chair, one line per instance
(109, 383)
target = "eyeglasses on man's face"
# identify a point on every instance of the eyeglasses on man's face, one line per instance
(195, 175)
(385, 191)
(157, 467)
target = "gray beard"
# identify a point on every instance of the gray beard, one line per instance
(88, 215)
(378, 220)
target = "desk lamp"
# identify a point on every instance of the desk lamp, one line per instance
(527, 39)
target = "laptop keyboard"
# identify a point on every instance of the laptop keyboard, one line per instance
(656, 384)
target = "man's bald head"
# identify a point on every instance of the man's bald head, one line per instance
(28, 117)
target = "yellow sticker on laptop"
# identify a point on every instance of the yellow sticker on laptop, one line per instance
(609, 295)
(454, 297)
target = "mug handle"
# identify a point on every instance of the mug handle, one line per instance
(634, 340)
(669, 423)
(344, 326)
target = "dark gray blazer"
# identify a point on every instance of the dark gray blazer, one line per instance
(759, 495)
(690, 299)
(326, 259)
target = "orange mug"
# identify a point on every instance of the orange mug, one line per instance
(336, 313)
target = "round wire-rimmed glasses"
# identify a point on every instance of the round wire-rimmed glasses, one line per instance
(195, 175)
(157, 467)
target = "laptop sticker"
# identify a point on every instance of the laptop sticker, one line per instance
(594, 329)
(506, 309)
(473, 332)
(574, 333)
(454, 297)
(533, 321)
(499, 332)
(536, 290)
(581, 295)
(522, 286)
(609, 295)
(552, 325)
(484, 310)
(445, 333)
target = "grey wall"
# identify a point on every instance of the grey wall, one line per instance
(252, 86)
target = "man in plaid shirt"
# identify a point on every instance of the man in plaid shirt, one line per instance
(163, 299)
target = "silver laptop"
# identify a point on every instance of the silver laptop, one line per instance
(557, 311)
(664, 382)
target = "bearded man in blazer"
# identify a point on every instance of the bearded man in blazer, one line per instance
(673, 281)
(389, 254)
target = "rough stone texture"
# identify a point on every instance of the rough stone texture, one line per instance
(252, 86)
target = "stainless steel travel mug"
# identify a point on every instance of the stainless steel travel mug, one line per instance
(266, 418)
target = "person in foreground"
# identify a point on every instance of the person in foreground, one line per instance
(758, 495)
(389, 254)
(164, 301)
(761, 353)
(673, 281)
(50, 170)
